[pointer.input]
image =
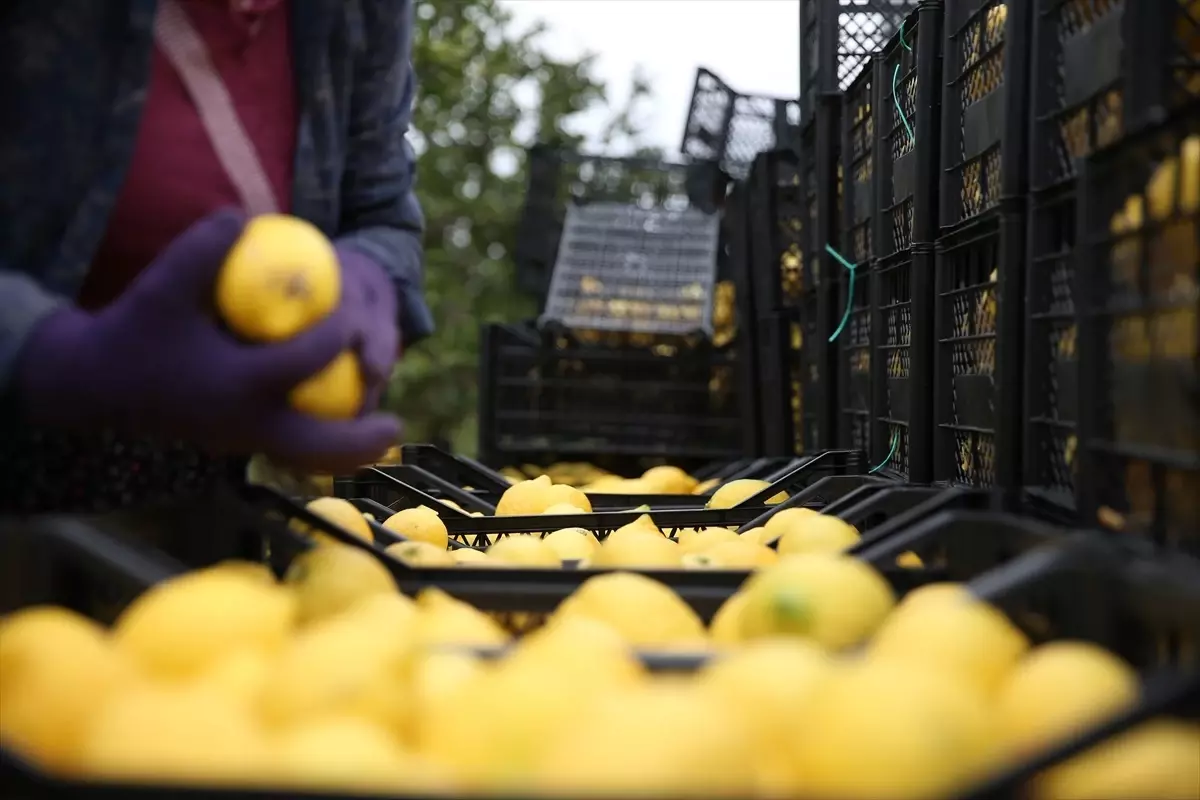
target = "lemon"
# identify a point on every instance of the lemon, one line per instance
(182, 626)
(655, 739)
(784, 520)
(341, 513)
(818, 533)
(888, 730)
(343, 754)
(177, 734)
(420, 554)
(535, 496)
(643, 524)
(669, 480)
(466, 556)
(446, 620)
(701, 539)
(240, 675)
(741, 554)
(388, 614)
(56, 671)
(1059, 689)
(281, 277)
(1156, 760)
(834, 600)
(705, 486)
(585, 651)
(564, 508)
(756, 536)
(420, 524)
(329, 579)
(734, 492)
(726, 626)
(642, 610)
(523, 550)
(572, 544)
(438, 678)
(627, 547)
(909, 560)
(340, 668)
(454, 505)
(952, 632)
(334, 393)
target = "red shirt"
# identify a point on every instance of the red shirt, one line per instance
(174, 177)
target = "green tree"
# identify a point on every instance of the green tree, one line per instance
(470, 129)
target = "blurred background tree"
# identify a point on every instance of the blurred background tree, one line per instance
(486, 91)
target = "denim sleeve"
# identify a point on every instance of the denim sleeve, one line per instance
(380, 214)
(23, 304)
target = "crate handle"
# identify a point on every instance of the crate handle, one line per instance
(849, 291)
(888, 457)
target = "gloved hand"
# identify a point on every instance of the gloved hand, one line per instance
(369, 299)
(157, 361)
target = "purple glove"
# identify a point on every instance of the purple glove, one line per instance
(157, 362)
(369, 300)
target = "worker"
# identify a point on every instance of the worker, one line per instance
(138, 138)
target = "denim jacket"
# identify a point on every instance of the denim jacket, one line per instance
(75, 75)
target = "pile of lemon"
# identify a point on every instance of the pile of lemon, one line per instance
(820, 684)
(640, 544)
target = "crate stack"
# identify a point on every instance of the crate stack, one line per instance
(626, 362)
(1100, 70)
(907, 127)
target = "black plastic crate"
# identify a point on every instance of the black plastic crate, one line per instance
(985, 106)
(1101, 68)
(731, 128)
(852, 334)
(624, 268)
(786, 423)
(1137, 278)
(978, 312)
(552, 394)
(836, 39)
(775, 202)
(909, 124)
(557, 179)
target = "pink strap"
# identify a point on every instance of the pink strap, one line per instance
(185, 49)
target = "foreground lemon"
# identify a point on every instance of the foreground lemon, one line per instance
(783, 521)
(341, 754)
(57, 669)
(280, 278)
(1058, 690)
(642, 610)
(951, 632)
(523, 550)
(181, 627)
(572, 544)
(629, 548)
(831, 599)
(193, 735)
(329, 579)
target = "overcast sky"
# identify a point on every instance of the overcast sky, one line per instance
(753, 45)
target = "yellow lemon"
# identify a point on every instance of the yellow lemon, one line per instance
(669, 480)
(329, 579)
(420, 554)
(341, 513)
(732, 493)
(783, 521)
(446, 620)
(642, 610)
(467, 556)
(334, 393)
(57, 669)
(572, 544)
(182, 626)
(951, 632)
(740, 554)
(834, 600)
(1057, 690)
(818, 533)
(702, 539)
(421, 524)
(726, 626)
(628, 548)
(280, 278)
(523, 550)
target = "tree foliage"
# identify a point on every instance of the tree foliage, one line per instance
(471, 125)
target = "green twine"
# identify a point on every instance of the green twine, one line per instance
(849, 291)
(895, 94)
(892, 452)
